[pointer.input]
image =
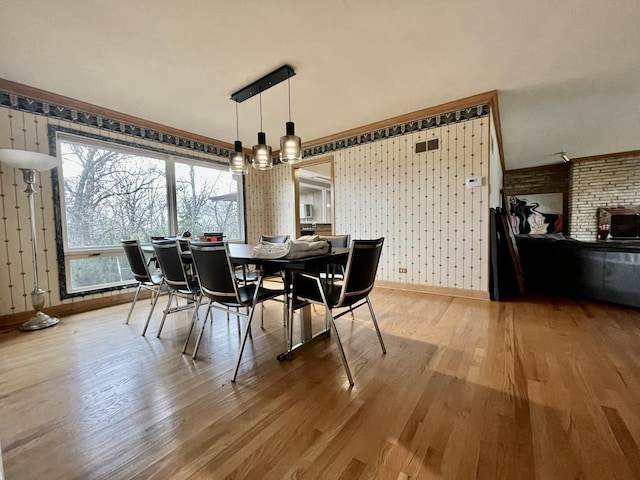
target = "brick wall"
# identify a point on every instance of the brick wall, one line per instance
(609, 182)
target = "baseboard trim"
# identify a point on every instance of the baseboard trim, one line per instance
(15, 319)
(450, 292)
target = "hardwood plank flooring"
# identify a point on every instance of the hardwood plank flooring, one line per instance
(535, 388)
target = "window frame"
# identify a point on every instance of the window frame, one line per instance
(65, 254)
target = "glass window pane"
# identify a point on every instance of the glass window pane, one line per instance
(112, 192)
(111, 195)
(97, 271)
(207, 200)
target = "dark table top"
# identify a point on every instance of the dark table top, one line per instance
(241, 253)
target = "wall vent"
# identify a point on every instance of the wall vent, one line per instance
(428, 145)
(433, 144)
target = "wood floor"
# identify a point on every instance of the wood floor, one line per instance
(532, 389)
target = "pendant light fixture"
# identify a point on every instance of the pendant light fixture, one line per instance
(237, 162)
(290, 144)
(262, 152)
(261, 158)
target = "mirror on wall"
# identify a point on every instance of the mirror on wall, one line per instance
(314, 197)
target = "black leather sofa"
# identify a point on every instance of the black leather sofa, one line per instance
(608, 271)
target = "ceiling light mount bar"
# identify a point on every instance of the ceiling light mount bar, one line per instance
(269, 80)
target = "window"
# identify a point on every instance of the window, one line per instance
(207, 200)
(111, 192)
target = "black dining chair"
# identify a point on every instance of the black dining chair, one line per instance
(274, 238)
(218, 285)
(336, 241)
(139, 266)
(245, 275)
(177, 276)
(352, 293)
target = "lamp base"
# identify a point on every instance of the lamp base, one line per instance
(39, 321)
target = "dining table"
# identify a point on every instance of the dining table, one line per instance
(242, 254)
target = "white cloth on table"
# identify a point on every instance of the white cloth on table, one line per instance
(290, 249)
(300, 249)
(308, 238)
(271, 250)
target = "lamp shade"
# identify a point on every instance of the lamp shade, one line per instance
(237, 162)
(290, 146)
(262, 153)
(28, 160)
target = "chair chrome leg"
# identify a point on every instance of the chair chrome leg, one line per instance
(250, 312)
(193, 321)
(335, 331)
(246, 315)
(341, 350)
(166, 312)
(133, 304)
(153, 306)
(204, 324)
(244, 341)
(375, 324)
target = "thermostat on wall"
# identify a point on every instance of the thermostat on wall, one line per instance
(473, 181)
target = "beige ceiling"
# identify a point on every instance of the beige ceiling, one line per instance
(567, 72)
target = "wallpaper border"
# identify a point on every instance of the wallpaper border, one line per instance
(27, 104)
(426, 123)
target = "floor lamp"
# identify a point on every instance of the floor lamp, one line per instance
(30, 163)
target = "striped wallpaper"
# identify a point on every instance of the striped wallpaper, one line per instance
(269, 202)
(25, 131)
(433, 226)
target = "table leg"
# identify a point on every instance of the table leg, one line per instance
(306, 327)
